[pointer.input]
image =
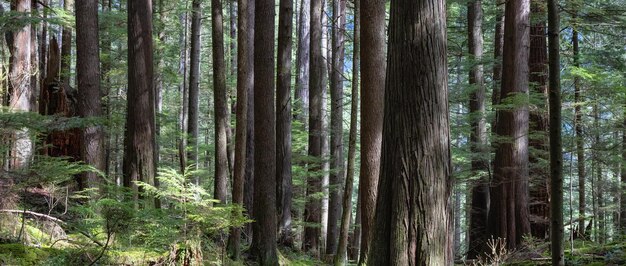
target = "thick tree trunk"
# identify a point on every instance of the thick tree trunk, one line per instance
(336, 127)
(140, 127)
(244, 84)
(194, 86)
(248, 189)
(508, 214)
(373, 56)
(89, 95)
(283, 123)
(20, 89)
(413, 204)
(556, 152)
(265, 132)
(220, 103)
(538, 157)
(313, 206)
(478, 136)
(342, 249)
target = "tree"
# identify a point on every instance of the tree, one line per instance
(480, 190)
(302, 62)
(89, 95)
(340, 256)
(556, 152)
(313, 206)
(66, 47)
(194, 82)
(283, 122)
(508, 213)
(245, 82)
(139, 153)
(580, 148)
(336, 126)
(412, 206)
(265, 135)
(539, 122)
(373, 58)
(20, 90)
(220, 103)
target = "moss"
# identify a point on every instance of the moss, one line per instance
(18, 254)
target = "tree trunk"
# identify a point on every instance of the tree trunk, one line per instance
(539, 175)
(66, 47)
(556, 151)
(302, 61)
(478, 136)
(336, 127)
(245, 82)
(313, 206)
(508, 214)
(184, 91)
(194, 86)
(232, 10)
(220, 103)
(265, 132)
(20, 89)
(415, 184)
(139, 153)
(248, 189)
(342, 249)
(89, 95)
(373, 56)
(580, 145)
(283, 122)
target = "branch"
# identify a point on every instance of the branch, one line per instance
(35, 214)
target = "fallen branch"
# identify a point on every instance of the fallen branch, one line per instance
(41, 215)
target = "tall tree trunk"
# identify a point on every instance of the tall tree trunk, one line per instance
(622, 183)
(413, 204)
(336, 126)
(66, 47)
(184, 91)
(373, 56)
(220, 103)
(245, 82)
(355, 239)
(43, 40)
(232, 16)
(265, 132)
(580, 145)
(283, 122)
(342, 249)
(556, 150)
(194, 85)
(89, 95)
(478, 136)
(538, 77)
(105, 70)
(140, 118)
(20, 88)
(599, 185)
(313, 206)
(248, 189)
(508, 214)
(302, 61)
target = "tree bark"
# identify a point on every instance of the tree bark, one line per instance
(336, 127)
(20, 89)
(184, 91)
(194, 86)
(249, 180)
(220, 103)
(302, 61)
(556, 152)
(373, 56)
(89, 95)
(538, 78)
(66, 47)
(313, 206)
(413, 204)
(508, 214)
(283, 122)
(342, 249)
(265, 132)
(245, 83)
(478, 136)
(140, 118)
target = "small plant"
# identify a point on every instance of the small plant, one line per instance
(498, 255)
